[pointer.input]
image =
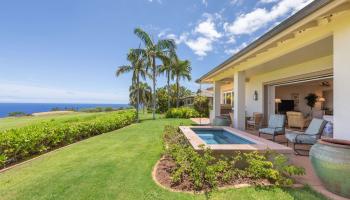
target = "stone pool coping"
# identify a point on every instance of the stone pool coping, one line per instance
(261, 144)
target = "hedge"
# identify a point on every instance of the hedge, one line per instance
(19, 143)
(182, 112)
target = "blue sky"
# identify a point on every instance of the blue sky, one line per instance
(68, 50)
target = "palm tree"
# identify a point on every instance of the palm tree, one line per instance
(143, 91)
(145, 95)
(167, 68)
(182, 70)
(137, 66)
(153, 50)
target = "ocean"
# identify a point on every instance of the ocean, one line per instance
(29, 108)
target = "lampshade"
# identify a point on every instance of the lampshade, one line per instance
(278, 101)
(321, 99)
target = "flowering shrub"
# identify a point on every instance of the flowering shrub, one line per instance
(182, 112)
(19, 143)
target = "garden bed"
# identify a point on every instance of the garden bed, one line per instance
(166, 166)
(182, 168)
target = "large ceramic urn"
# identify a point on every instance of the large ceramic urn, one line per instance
(330, 159)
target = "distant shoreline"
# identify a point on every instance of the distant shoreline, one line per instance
(30, 108)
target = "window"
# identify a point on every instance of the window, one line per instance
(227, 99)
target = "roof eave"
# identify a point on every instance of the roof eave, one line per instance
(301, 14)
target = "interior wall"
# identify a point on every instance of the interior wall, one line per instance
(256, 83)
(328, 95)
(302, 90)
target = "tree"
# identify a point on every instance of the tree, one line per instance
(153, 50)
(182, 70)
(201, 104)
(138, 68)
(311, 101)
(163, 95)
(168, 68)
(162, 100)
(143, 91)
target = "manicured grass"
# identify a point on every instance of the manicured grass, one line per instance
(115, 165)
(15, 122)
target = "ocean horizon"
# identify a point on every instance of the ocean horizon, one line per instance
(30, 108)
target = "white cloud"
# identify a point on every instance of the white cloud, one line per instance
(35, 94)
(268, 1)
(236, 49)
(163, 32)
(201, 45)
(178, 39)
(231, 40)
(158, 1)
(207, 28)
(205, 34)
(200, 40)
(205, 2)
(236, 2)
(213, 30)
(250, 22)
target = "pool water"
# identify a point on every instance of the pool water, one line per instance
(219, 136)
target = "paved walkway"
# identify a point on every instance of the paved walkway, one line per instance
(201, 121)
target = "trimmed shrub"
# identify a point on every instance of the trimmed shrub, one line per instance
(20, 143)
(201, 104)
(182, 112)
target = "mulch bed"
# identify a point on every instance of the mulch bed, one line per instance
(165, 166)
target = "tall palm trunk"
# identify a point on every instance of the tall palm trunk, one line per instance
(168, 84)
(138, 97)
(154, 87)
(177, 91)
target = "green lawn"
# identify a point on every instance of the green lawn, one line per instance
(14, 122)
(115, 165)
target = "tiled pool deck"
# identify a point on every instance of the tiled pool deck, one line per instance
(260, 144)
(201, 121)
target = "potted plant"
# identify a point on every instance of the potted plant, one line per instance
(330, 159)
(311, 100)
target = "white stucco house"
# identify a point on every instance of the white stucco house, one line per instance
(307, 53)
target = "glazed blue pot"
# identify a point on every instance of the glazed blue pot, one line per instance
(221, 121)
(330, 159)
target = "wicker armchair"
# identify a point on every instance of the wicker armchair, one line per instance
(297, 119)
(255, 121)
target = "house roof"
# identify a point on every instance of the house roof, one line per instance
(307, 10)
(205, 93)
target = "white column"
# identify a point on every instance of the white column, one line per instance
(341, 64)
(217, 98)
(271, 101)
(239, 100)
